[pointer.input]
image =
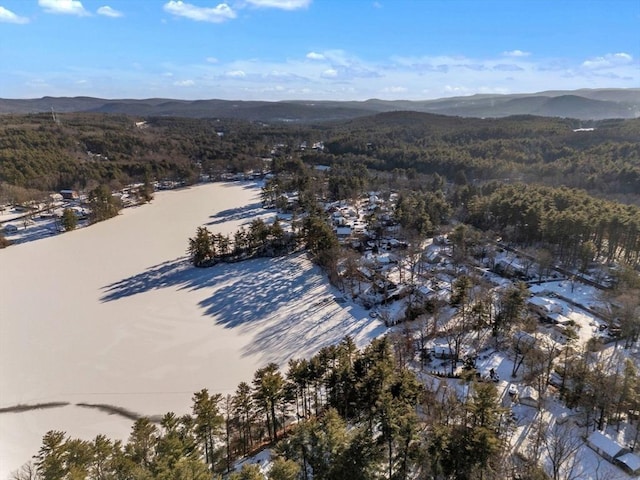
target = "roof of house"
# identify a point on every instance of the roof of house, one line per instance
(524, 337)
(548, 304)
(424, 290)
(604, 444)
(529, 392)
(631, 461)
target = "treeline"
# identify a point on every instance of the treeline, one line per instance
(342, 414)
(260, 239)
(579, 227)
(37, 153)
(207, 248)
(536, 149)
(88, 149)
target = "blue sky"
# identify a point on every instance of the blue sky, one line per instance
(315, 49)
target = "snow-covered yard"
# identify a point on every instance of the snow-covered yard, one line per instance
(114, 314)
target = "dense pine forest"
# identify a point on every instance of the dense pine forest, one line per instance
(82, 150)
(359, 414)
(347, 413)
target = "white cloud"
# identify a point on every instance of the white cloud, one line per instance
(220, 13)
(107, 11)
(315, 56)
(516, 53)
(329, 73)
(377, 5)
(608, 60)
(436, 63)
(7, 16)
(281, 4)
(284, 76)
(223, 12)
(341, 75)
(67, 7)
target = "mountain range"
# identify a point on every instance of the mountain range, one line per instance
(585, 104)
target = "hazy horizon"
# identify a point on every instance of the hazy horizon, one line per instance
(284, 100)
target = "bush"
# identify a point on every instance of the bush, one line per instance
(3, 241)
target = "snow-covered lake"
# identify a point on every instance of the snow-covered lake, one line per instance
(113, 314)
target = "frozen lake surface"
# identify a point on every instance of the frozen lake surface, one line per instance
(114, 314)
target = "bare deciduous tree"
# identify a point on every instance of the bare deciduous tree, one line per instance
(28, 471)
(561, 446)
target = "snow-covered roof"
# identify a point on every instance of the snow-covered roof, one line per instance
(432, 255)
(549, 305)
(510, 263)
(424, 290)
(600, 442)
(529, 392)
(524, 337)
(365, 271)
(382, 259)
(631, 461)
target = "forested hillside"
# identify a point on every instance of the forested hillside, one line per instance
(585, 104)
(604, 159)
(81, 150)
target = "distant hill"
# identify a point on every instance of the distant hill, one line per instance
(584, 104)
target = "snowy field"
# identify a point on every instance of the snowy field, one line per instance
(114, 314)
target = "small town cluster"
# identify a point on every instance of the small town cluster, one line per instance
(472, 307)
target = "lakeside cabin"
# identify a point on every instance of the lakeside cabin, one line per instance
(69, 194)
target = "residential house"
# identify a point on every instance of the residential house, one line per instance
(606, 447)
(69, 194)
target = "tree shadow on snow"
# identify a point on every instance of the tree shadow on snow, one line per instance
(234, 214)
(287, 310)
(168, 274)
